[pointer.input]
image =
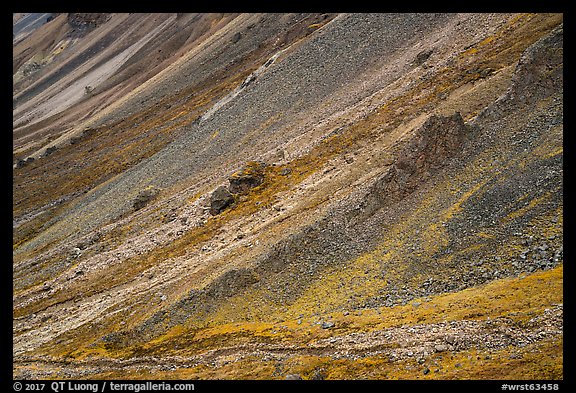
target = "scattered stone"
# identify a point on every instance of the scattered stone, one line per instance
(49, 151)
(285, 171)
(486, 72)
(169, 217)
(327, 325)
(236, 37)
(293, 377)
(440, 348)
(426, 371)
(75, 253)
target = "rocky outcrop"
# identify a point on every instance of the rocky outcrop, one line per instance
(87, 20)
(434, 143)
(144, 197)
(539, 71)
(538, 75)
(220, 199)
(437, 140)
(252, 175)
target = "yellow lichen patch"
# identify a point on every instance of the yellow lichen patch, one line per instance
(537, 361)
(518, 298)
(531, 205)
(485, 235)
(543, 152)
(434, 238)
(315, 25)
(457, 207)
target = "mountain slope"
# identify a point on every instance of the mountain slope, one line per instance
(404, 174)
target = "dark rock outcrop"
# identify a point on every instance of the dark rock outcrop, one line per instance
(538, 75)
(220, 199)
(252, 175)
(87, 20)
(422, 57)
(438, 140)
(539, 72)
(49, 151)
(144, 197)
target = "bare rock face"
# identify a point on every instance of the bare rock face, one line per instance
(437, 140)
(538, 74)
(252, 175)
(220, 199)
(540, 69)
(434, 144)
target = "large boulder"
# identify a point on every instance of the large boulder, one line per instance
(220, 199)
(144, 197)
(252, 175)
